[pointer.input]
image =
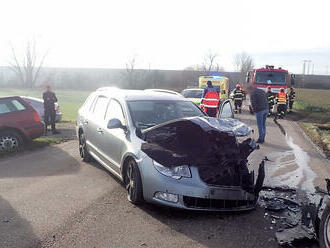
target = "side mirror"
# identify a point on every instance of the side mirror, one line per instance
(116, 123)
(226, 110)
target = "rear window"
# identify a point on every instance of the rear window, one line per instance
(100, 106)
(10, 105)
(19, 106)
(88, 102)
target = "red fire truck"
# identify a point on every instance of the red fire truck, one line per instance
(278, 78)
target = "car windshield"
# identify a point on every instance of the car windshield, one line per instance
(148, 113)
(193, 93)
(271, 77)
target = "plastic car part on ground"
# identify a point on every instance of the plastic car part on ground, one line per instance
(210, 145)
(292, 214)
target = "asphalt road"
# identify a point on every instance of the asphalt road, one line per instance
(49, 198)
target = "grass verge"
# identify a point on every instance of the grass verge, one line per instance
(312, 112)
(319, 134)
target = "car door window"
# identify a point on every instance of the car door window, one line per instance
(115, 111)
(100, 107)
(10, 105)
(4, 107)
(226, 111)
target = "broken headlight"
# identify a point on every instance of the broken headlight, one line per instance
(175, 172)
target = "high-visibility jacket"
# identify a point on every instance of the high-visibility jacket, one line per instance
(210, 89)
(281, 98)
(292, 96)
(210, 100)
(238, 94)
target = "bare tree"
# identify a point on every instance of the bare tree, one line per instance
(130, 71)
(28, 67)
(210, 62)
(243, 63)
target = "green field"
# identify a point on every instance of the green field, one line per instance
(313, 100)
(69, 100)
(313, 108)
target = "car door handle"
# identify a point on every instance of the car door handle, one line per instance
(99, 130)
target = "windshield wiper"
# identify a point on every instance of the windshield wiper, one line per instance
(145, 125)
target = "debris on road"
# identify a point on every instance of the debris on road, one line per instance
(289, 236)
(295, 214)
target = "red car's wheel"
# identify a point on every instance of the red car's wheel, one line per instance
(10, 141)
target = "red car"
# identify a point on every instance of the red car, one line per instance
(19, 123)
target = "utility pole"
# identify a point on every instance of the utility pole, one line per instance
(304, 67)
(313, 69)
(308, 61)
(307, 67)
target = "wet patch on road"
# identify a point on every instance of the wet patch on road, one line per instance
(291, 167)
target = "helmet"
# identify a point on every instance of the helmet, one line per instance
(282, 89)
(292, 88)
(269, 88)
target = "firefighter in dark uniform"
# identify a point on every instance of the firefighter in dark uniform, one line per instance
(238, 98)
(49, 108)
(281, 101)
(271, 100)
(292, 96)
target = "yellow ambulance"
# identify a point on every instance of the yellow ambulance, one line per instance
(218, 81)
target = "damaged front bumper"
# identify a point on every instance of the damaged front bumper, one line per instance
(220, 178)
(194, 194)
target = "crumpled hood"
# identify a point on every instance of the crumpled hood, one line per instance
(198, 141)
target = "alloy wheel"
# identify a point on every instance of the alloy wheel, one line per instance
(130, 182)
(82, 145)
(8, 143)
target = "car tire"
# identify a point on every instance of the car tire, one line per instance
(133, 182)
(324, 228)
(83, 151)
(10, 141)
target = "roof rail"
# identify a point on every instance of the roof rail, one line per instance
(107, 88)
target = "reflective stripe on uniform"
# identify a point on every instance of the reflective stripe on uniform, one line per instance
(210, 99)
(209, 106)
(281, 98)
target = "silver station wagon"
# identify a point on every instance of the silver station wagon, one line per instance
(167, 151)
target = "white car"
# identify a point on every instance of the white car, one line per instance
(38, 105)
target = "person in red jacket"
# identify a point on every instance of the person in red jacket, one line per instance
(210, 101)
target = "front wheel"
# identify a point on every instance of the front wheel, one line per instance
(84, 154)
(133, 183)
(10, 141)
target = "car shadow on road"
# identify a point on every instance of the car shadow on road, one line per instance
(49, 161)
(15, 231)
(217, 229)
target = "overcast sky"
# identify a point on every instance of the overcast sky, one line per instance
(169, 34)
